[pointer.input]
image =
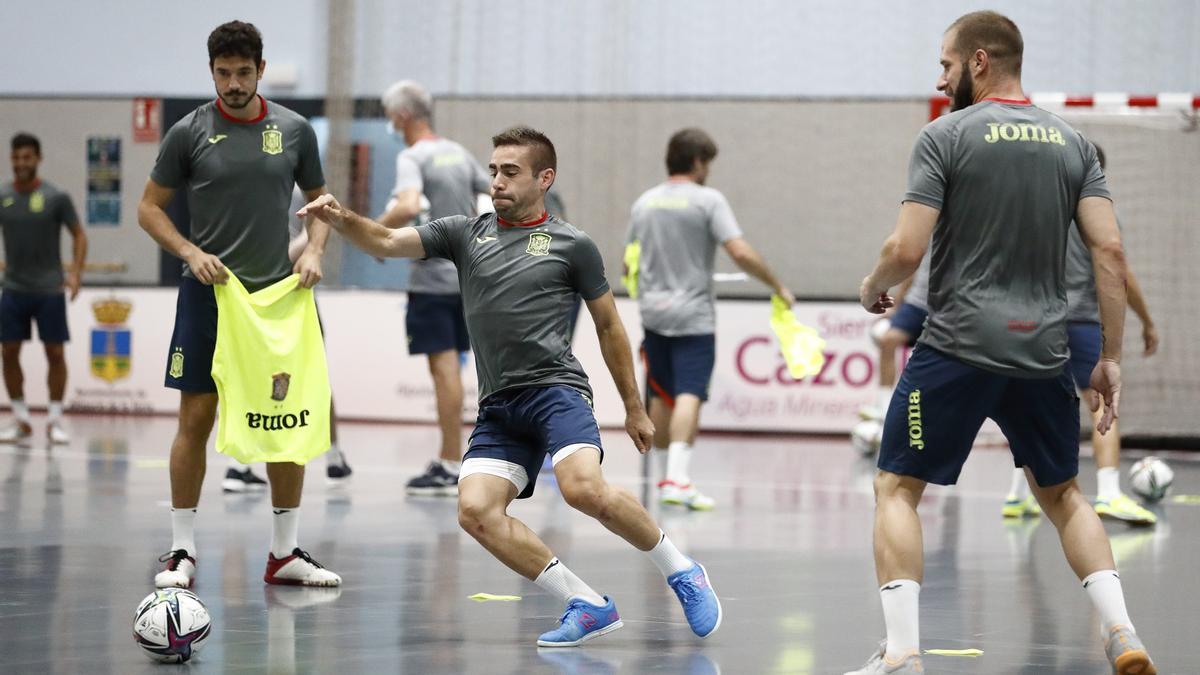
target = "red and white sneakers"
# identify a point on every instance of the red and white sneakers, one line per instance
(298, 569)
(180, 571)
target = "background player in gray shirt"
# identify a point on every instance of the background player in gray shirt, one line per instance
(520, 270)
(679, 224)
(238, 157)
(451, 180)
(1084, 344)
(996, 183)
(33, 213)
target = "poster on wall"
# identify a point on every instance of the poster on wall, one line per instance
(103, 180)
(147, 119)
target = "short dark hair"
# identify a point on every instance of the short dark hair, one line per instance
(544, 156)
(685, 147)
(995, 34)
(24, 140)
(1099, 154)
(235, 38)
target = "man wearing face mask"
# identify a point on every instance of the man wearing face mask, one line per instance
(435, 178)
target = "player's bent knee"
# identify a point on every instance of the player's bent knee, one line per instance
(477, 516)
(586, 495)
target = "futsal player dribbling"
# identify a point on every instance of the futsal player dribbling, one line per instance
(519, 270)
(239, 157)
(996, 183)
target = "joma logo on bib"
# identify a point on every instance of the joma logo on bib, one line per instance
(276, 422)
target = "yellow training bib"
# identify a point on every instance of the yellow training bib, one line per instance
(271, 375)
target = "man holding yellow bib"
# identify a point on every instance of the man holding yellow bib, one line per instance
(239, 158)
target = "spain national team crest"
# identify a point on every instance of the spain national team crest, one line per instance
(112, 341)
(539, 244)
(272, 140)
(279, 386)
(37, 202)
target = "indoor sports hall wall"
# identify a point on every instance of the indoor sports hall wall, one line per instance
(589, 48)
(814, 184)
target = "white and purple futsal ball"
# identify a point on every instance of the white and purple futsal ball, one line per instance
(866, 436)
(1151, 478)
(171, 625)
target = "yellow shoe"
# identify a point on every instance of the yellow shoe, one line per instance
(684, 495)
(1021, 508)
(1123, 508)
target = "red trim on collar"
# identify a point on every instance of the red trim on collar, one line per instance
(1015, 101)
(256, 120)
(26, 188)
(531, 223)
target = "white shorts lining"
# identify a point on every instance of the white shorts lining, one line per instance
(514, 473)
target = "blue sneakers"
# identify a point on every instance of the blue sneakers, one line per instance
(700, 603)
(581, 622)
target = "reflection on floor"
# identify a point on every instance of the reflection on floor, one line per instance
(788, 548)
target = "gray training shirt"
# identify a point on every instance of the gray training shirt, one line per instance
(1082, 303)
(239, 177)
(33, 223)
(918, 290)
(518, 288)
(450, 178)
(679, 224)
(1007, 178)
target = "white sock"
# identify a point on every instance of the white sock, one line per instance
(1020, 485)
(1104, 588)
(183, 530)
(454, 468)
(902, 615)
(679, 456)
(562, 582)
(285, 524)
(335, 455)
(1108, 482)
(20, 410)
(667, 558)
(885, 398)
(237, 466)
(55, 410)
(659, 456)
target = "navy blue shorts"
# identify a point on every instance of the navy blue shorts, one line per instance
(189, 361)
(1084, 341)
(941, 402)
(679, 365)
(517, 428)
(19, 309)
(911, 320)
(435, 324)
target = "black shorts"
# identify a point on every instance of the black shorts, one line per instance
(941, 402)
(189, 361)
(19, 309)
(1084, 340)
(911, 320)
(679, 365)
(435, 323)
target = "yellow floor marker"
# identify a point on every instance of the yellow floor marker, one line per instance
(488, 597)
